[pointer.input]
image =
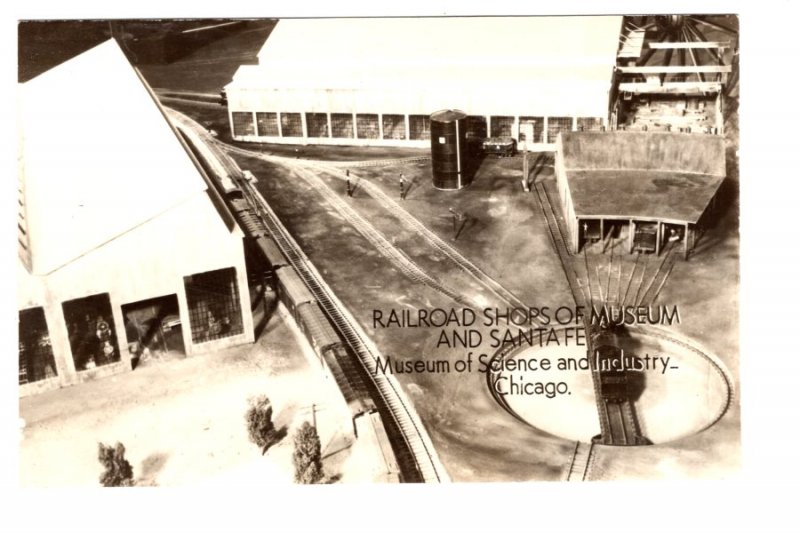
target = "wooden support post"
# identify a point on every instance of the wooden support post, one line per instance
(631, 231)
(686, 242)
(525, 169)
(380, 125)
(230, 125)
(280, 128)
(355, 126)
(658, 238)
(602, 237)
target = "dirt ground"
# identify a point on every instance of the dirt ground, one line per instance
(505, 236)
(182, 421)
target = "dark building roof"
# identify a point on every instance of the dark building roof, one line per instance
(661, 176)
(642, 194)
(448, 115)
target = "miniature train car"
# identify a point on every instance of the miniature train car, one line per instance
(292, 291)
(316, 327)
(371, 430)
(614, 386)
(335, 354)
(271, 252)
(500, 146)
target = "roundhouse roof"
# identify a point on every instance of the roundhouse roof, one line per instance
(670, 177)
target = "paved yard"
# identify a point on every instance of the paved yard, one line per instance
(182, 421)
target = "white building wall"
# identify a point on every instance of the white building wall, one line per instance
(519, 66)
(146, 262)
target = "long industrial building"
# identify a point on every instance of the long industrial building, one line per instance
(121, 239)
(375, 82)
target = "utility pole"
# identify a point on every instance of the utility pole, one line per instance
(525, 169)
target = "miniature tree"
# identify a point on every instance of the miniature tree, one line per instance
(307, 455)
(260, 427)
(118, 471)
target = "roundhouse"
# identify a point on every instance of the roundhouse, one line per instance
(662, 182)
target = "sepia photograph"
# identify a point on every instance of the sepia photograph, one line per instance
(328, 253)
(266, 253)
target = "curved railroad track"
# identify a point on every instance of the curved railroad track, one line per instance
(433, 239)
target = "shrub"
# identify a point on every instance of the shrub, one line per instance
(260, 427)
(307, 455)
(118, 471)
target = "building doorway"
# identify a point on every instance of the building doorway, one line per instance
(36, 360)
(214, 307)
(92, 334)
(153, 329)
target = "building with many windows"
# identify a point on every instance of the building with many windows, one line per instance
(377, 81)
(122, 245)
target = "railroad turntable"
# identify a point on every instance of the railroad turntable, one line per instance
(675, 389)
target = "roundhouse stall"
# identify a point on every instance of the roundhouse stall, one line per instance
(660, 186)
(375, 82)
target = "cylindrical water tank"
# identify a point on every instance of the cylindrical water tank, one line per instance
(449, 149)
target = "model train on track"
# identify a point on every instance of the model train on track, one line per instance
(608, 360)
(353, 381)
(278, 261)
(616, 386)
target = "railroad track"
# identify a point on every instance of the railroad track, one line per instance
(416, 450)
(376, 238)
(374, 163)
(660, 277)
(222, 165)
(618, 422)
(568, 265)
(620, 430)
(715, 365)
(176, 99)
(432, 239)
(335, 164)
(557, 238)
(581, 463)
(630, 279)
